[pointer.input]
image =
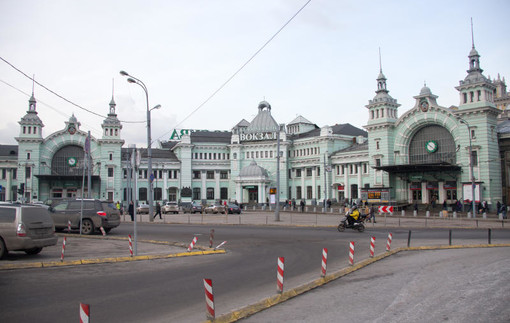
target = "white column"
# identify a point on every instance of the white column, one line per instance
(8, 193)
(442, 193)
(239, 196)
(314, 184)
(359, 180)
(303, 188)
(347, 191)
(424, 195)
(260, 189)
(217, 185)
(165, 185)
(203, 175)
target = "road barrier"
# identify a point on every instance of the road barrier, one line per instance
(351, 253)
(220, 245)
(84, 313)
(130, 245)
(209, 299)
(388, 243)
(279, 275)
(63, 249)
(211, 238)
(102, 231)
(69, 226)
(386, 209)
(372, 246)
(324, 261)
(192, 244)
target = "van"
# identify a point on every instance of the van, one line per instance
(25, 227)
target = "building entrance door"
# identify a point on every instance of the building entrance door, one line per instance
(253, 195)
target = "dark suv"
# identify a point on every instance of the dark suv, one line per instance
(96, 214)
(26, 228)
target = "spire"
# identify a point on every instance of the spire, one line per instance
(381, 79)
(112, 102)
(474, 57)
(32, 102)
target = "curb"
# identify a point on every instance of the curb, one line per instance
(277, 299)
(203, 252)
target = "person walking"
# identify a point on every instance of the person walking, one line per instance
(158, 211)
(131, 210)
(302, 206)
(372, 213)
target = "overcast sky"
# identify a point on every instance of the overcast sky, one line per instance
(323, 65)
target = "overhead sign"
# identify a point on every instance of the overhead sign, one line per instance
(385, 209)
(178, 133)
(257, 136)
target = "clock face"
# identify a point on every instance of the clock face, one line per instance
(424, 105)
(71, 161)
(431, 146)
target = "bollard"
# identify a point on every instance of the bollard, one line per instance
(103, 232)
(84, 313)
(450, 238)
(415, 213)
(427, 213)
(409, 239)
(69, 226)
(454, 214)
(209, 299)
(351, 253)
(130, 245)
(63, 249)
(440, 215)
(403, 213)
(469, 215)
(192, 244)
(220, 245)
(388, 243)
(489, 236)
(211, 238)
(324, 261)
(279, 275)
(372, 246)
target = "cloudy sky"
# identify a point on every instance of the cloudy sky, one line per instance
(322, 65)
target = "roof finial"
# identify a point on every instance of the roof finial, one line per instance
(380, 61)
(113, 87)
(472, 34)
(33, 84)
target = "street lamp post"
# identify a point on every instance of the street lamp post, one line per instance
(132, 79)
(473, 186)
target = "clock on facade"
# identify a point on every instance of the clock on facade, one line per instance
(431, 146)
(71, 130)
(71, 161)
(424, 105)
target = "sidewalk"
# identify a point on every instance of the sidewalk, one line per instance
(318, 219)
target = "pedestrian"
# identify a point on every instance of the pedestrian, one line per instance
(503, 210)
(117, 205)
(329, 204)
(158, 211)
(294, 204)
(131, 210)
(416, 206)
(372, 213)
(445, 205)
(498, 207)
(302, 204)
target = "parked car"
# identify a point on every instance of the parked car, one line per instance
(143, 208)
(96, 214)
(214, 208)
(233, 208)
(170, 207)
(25, 227)
(192, 208)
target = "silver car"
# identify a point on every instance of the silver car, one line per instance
(170, 207)
(24, 227)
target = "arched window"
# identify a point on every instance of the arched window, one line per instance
(68, 160)
(432, 144)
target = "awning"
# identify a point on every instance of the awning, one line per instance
(419, 168)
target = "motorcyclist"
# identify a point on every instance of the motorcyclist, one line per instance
(353, 216)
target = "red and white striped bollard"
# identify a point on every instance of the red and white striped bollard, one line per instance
(102, 231)
(211, 238)
(279, 275)
(192, 244)
(130, 245)
(209, 299)
(84, 313)
(69, 226)
(372, 246)
(351, 253)
(63, 249)
(388, 244)
(324, 261)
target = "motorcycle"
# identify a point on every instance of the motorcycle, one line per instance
(356, 225)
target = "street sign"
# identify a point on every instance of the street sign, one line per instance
(1, 188)
(152, 178)
(385, 209)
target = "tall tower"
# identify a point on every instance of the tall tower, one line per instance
(30, 140)
(478, 110)
(111, 144)
(382, 116)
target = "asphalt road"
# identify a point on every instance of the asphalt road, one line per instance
(172, 289)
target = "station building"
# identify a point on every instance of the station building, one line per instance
(422, 155)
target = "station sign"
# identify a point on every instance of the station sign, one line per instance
(178, 133)
(257, 136)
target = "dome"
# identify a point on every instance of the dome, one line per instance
(253, 170)
(425, 90)
(473, 52)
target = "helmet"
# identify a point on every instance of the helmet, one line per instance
(354, 207)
